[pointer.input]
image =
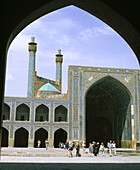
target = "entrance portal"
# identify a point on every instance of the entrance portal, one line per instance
(41, 134)
(21, 138)
(107, 110)
(4, 141)
(60, 135)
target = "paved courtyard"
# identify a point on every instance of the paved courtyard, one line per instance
(56, 155)
(39, 159)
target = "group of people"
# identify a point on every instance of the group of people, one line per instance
(95, 147)
(63, 145)
(46, 143)
(71, 146)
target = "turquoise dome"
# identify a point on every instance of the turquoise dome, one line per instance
(49, 87)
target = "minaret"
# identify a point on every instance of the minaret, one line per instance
(59, 60)
(32, 50)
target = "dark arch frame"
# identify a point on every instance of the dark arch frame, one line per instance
(124, 20)
(21, 137)
(105, 11)
(43, 117)
(63, 116)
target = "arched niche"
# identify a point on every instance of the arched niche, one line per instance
(40, 134)
(5, 135)
(6, 112)
(61, 114)
(60, 135)
(42, 113)
(21, 137)
(22, 112)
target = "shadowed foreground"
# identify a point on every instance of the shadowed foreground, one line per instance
(65, 166)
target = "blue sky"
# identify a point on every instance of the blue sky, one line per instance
(83, 39)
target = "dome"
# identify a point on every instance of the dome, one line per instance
(49, 87)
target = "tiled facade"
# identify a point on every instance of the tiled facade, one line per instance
(86, 87)
(80, 81)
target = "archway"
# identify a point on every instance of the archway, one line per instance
(42, 113)
(22, 112)
(5, 134)
(108, 105)
(108, 11)
(60, 135)
(21, 138)
(60, 114)
(41, 134)
(6, 112)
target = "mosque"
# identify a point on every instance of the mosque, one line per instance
(100, 104)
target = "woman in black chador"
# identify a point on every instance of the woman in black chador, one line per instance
(95, 149)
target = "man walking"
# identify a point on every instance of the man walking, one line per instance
(38, 143)
(110, 148)
(46, 143)
(114, 148)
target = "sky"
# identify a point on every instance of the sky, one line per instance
(84, 40)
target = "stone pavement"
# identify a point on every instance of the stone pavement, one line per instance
(56, 155)
(57, 159)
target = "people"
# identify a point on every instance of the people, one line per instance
(95, 149)
(38, 143)
(77, 150)
(114, 148)
(70, 149)
(107, 147)
(90, 148)
(67, 145)
(93, 146)
(46, 143)
(83, 145)
(59, 145)
(98, 147)
(110, 147)
(62, 145)
(102, 149)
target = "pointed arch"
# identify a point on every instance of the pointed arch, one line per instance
(61, 113)
(5, 135)
(6, 112)
(40, 134)
(110, 78)
(22, 112)
(60, 135)
(108, 100)
(21, 137)
(42, 113)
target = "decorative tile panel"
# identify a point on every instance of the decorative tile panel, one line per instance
(40, 103)
(136, 107)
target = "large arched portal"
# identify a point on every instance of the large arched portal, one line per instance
(21, 138)
(40, 134)
(60, 135)
(108, 112)
(4, 141)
